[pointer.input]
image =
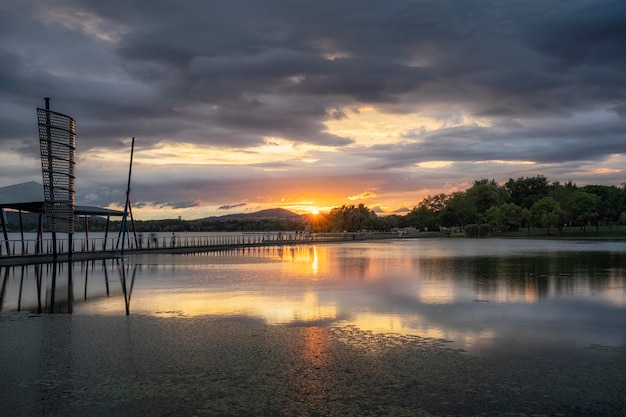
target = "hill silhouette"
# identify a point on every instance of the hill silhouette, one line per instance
(275, 213)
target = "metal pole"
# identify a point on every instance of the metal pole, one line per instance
(106, 234)
(70, 243)
(87, 231)
(122, 271)
(39, 245)
(21, 231)
(127, 205)
(53, 285)
(4, 286)
(50, 171)
(3, 219)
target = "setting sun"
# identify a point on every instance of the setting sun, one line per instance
(315, 211)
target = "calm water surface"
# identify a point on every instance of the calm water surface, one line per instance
(490, 295)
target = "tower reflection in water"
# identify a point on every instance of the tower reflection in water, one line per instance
(58, 287)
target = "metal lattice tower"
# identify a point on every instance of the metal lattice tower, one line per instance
(57, 142)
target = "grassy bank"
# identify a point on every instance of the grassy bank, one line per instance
(609, 233)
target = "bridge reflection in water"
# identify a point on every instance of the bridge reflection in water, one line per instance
(57, 287)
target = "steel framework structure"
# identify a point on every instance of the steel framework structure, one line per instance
(57, 142)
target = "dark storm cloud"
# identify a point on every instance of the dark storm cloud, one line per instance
(500, 60)
(545, 143)
(493, 60)
(231, 206)
(177, 204)
(591, 35)
(233, 74)
(365, 80)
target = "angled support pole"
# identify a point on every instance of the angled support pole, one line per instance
(5, 234)
(127, 209)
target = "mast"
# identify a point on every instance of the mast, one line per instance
(127, 208)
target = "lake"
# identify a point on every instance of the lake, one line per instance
(414, 327)
(488, 296)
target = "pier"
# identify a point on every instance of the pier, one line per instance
(24, 252)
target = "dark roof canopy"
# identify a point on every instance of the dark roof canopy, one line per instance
(29, 196)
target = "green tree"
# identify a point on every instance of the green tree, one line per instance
(525, 191)
(386, 223)
(611, 203)
(492, 217)
(583, 208)
(510, 215)
(504, 216)
(459, 211)
(351, 218)
(546, 212)
(485, 194)
(562, 194)
(435, 203)
(426, 214)
(525, 219)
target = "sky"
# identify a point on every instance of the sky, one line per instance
(242, 105)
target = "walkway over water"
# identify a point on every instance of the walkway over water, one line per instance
(25, 251)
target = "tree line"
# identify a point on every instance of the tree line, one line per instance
(486, 206)
(521, 203)
(483, 208)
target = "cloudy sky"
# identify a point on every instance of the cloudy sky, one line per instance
(242, 105)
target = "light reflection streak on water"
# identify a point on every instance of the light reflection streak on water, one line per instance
(407, 287)
(315, 266)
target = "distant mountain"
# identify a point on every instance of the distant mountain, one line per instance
(276, 213)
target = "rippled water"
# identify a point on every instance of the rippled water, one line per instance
(483, 295)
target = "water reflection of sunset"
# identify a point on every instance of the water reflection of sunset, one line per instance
(319, 263)
(305, 262)
(423, 327)
(316, 346)
(313, 358)
(271, 309)
(408, 287)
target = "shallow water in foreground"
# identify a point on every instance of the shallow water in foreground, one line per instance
(414, 327)
(121, 366)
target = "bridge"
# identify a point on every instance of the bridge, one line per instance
(25, 251)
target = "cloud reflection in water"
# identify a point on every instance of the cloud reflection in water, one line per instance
(495, 294)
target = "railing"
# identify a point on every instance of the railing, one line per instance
(152, 242)
(183, 242)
